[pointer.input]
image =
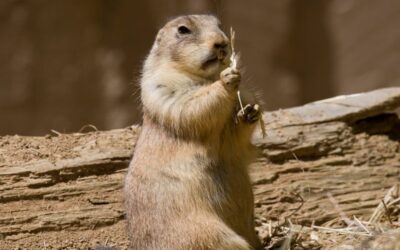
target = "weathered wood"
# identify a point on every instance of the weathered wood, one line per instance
(345, 147)
(340, 108)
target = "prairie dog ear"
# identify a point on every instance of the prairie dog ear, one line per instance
(155, 49)
(158, 40)
(159, 36)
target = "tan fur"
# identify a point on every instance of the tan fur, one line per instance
(187, 187)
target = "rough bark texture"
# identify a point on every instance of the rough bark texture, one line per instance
(340, 155)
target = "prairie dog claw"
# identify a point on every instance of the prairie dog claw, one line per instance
(250, 114)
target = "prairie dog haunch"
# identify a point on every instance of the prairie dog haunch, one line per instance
(187, 187)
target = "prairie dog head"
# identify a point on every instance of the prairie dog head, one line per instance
(193, 44)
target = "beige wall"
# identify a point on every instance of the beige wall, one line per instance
(67, 63)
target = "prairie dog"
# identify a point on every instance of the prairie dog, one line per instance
(187, 186)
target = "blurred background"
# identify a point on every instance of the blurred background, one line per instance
(67, 63)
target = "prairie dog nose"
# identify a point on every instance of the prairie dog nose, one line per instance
(221, 44)
(221, 49)
(218, 40)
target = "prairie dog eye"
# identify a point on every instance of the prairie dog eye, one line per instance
(183, 30)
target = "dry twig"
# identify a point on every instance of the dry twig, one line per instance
(234, 59)
(391, 197)
(387, 212)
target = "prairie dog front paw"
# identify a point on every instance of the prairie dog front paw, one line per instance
(230, 77)
(250, 113)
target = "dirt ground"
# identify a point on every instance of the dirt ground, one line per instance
(113, 236)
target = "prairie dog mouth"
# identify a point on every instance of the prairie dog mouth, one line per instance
(219, 57)
(210, 61)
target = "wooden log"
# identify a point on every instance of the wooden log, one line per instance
(346, 148)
